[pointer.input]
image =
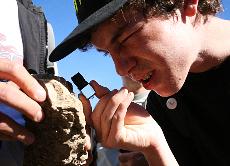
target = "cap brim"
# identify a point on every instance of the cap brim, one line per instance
(76, 38)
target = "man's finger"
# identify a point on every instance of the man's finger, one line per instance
(18, 74)
(12, 96)
(97, 115)
(111, 107)
(120, 114)
(100, 91)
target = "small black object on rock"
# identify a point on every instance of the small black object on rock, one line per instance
(83, 85)
(79, 81)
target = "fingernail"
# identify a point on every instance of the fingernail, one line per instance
(39, 116)
(41, 94)
(131, 94)
(125, 91)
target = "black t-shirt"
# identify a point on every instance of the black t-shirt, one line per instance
(196, 120)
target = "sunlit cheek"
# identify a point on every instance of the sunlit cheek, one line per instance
(170, 82)
(178, 77)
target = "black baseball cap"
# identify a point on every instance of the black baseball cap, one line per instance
(89, 13)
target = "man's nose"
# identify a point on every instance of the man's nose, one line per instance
(124, 65)
(123, 60)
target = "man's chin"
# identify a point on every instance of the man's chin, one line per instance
(166, 92)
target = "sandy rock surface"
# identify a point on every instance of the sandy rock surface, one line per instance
(60, 137)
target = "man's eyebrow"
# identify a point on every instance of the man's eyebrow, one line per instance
(103, 51)
(118, 33)
(100, 50)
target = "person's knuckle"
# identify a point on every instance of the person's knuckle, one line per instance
(105, 117)
(113, 100)
(15, 68)
(104, 99)
(117, 117)
(122, 106)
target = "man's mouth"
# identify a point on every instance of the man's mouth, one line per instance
(147, 78)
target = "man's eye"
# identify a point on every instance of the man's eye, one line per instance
(131, 33)
(105, 53)
(127, 37)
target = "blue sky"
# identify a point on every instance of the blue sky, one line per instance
(91, 64)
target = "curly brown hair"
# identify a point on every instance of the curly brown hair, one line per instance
(168, 7)
(163, 8)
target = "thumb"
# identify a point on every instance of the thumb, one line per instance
(100, 91)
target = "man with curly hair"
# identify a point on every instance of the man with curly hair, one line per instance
(180, 51)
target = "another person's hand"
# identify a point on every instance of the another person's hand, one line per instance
(132, 159)
(22, 92)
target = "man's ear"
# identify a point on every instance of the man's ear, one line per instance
(190, 8)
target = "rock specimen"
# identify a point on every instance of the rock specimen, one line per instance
(60, 137)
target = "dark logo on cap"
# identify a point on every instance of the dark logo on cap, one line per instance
(77, 3)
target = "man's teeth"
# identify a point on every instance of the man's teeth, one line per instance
(148, 76)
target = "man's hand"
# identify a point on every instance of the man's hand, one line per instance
(22, 92)
(121, 124)
(118, 122)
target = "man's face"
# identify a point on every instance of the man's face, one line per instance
(156, 52)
